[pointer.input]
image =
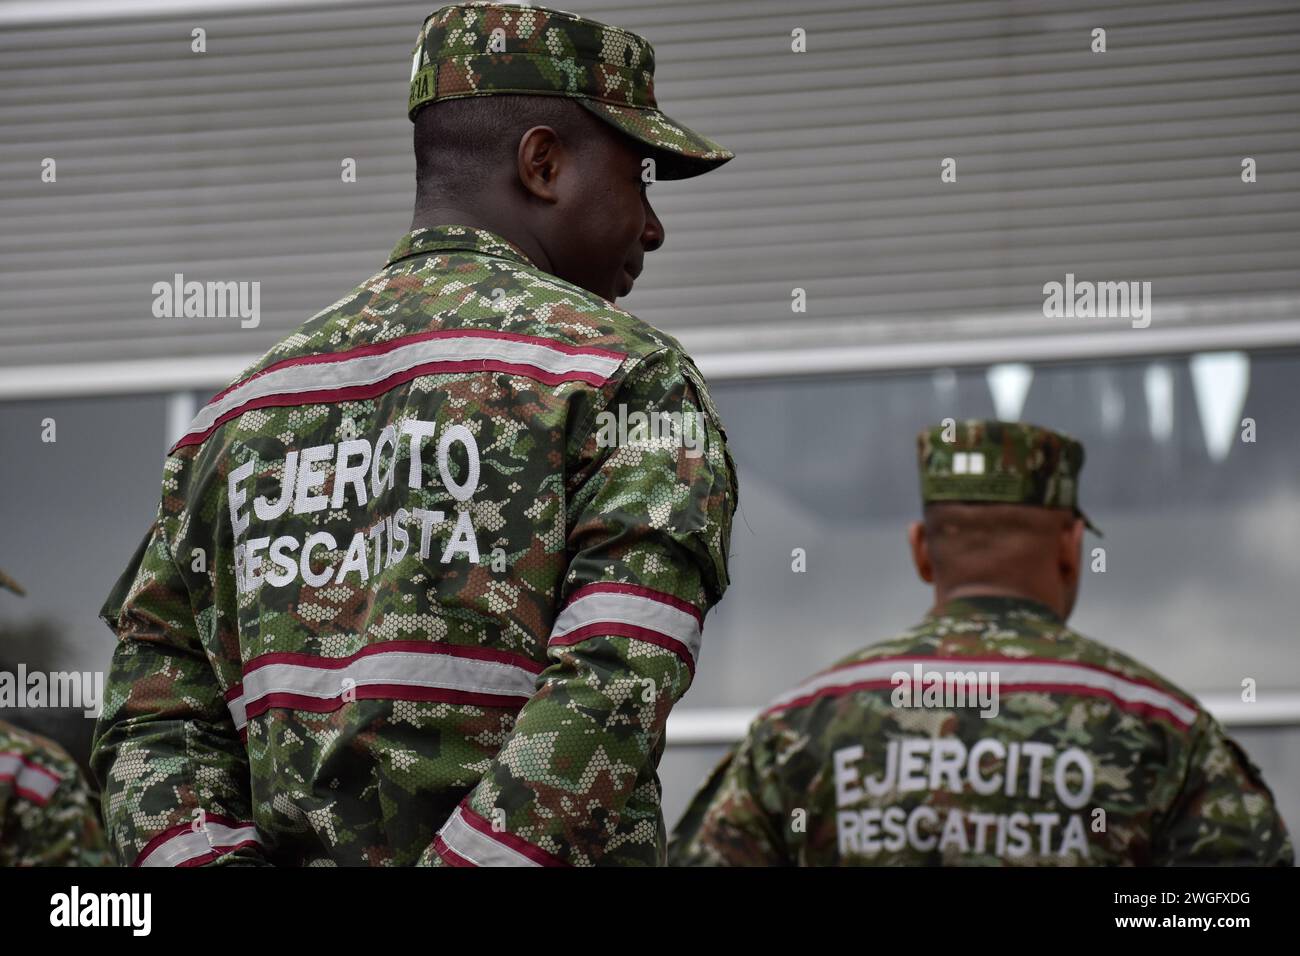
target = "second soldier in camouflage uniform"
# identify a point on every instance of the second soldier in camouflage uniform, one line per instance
(408, 598)
(47, 814)
(1077, 754)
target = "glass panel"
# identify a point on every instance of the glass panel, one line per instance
(1199, 525)
(73, 511)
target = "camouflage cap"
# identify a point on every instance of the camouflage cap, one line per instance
(7, 582)
(477, 49)
(1004, 462)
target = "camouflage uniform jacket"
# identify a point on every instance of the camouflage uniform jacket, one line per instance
(47, 816)
(1090, 758)
(411, 595)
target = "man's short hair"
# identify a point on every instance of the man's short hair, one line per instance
(965, 532)
(460, 144)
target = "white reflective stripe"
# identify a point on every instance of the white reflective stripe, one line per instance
(1009, 673)
(41, 784)
(1125, 690)
(191, 845)
(477, 847)
(854, 674)
(444, 671)
(238, 711)
(368, 369)
(605, 607)
(27, 777)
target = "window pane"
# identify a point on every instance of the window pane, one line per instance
(1200, 551)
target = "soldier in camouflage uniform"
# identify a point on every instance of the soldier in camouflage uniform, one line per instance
(990, 733)
(47, 816)
(411, 595)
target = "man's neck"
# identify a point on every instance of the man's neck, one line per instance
(1054, 601)
(428, 217)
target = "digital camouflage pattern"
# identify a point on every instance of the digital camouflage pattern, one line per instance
(399, 589)
(474, 49)
(47, 815)
(1000, 462)
(1129, 769)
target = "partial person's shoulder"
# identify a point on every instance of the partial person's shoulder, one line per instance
(19, 740)
(556, 311)
(482, 290)
(560, 314)
(34, 764)
(453, 311)
(1037, 652)
(1099, 654)
(868, 668)
(1129, 682)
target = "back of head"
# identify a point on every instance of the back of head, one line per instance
(465, 148)
(1003, 547)
(1001, 512)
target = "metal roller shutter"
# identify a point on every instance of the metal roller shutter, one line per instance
(1116, 166)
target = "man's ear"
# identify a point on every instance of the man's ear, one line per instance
(920, 551)
(1070, 557)
(538, 161)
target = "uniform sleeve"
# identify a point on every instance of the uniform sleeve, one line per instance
(173, 770)
(737, 818)
(649, 525)
(1224, 813)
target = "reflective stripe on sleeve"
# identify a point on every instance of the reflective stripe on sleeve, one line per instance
(31, 781)
(184, 845)
(628, 610)
(472, 841)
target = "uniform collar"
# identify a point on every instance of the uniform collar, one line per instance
(432, 239)
(990, 606)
